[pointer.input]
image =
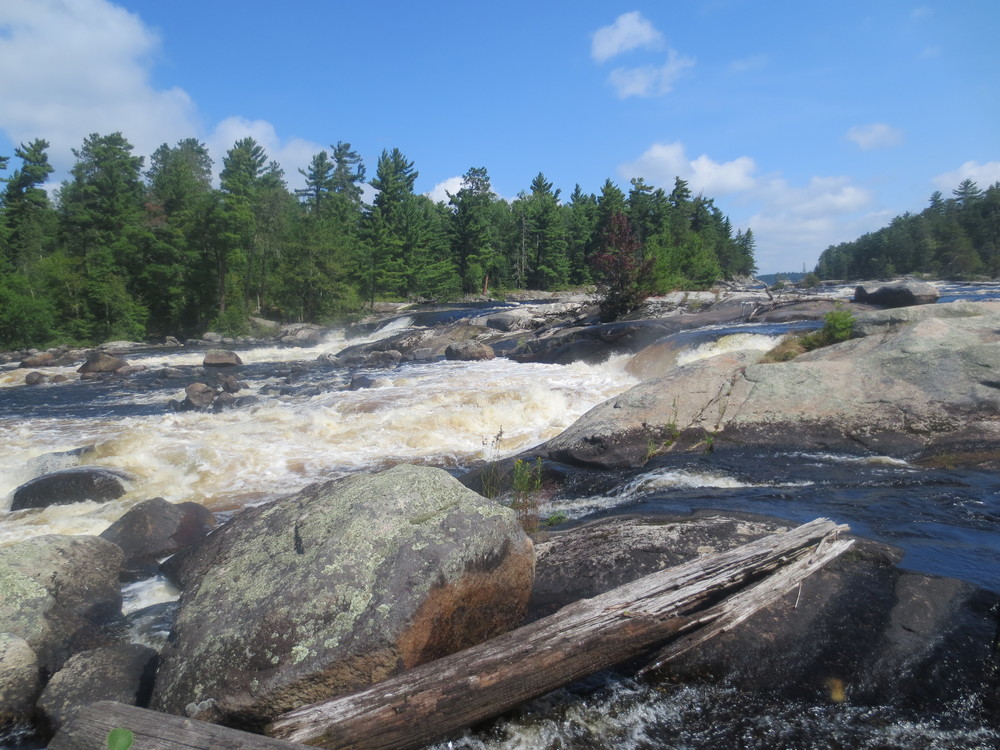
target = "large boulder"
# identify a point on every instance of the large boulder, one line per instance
(469, 351)
(154, 529)
(859, 630)
(221, 358)
(20, 684)
(75, 485)
(898, 294)
(100, 362)
(339, 587)
(58, 594)
(122, 673)
(912, 390)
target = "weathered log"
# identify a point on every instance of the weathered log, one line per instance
(89, 728)
(430, 701)
(696, 601)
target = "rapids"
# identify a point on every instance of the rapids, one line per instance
(309, 427)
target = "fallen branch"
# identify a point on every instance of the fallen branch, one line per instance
(695, 601)
(430, 701)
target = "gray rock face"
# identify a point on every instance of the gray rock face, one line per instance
(156, 528)
(901, 390)
(75, 485)
(473, 351)
(340, 586)
(20, 683)
(199, 395)
(116, 673)
(898, 294)
(57, 591)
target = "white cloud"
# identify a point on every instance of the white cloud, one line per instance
(629, 31)
(292, 154)
(876, 135)
(983, 175)
(72, 69)
(650, 80)
(662, 162)
(792, 224)
(439, 193)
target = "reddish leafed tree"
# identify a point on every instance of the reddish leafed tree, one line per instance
(623, 277)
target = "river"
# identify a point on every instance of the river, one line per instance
(308, 427)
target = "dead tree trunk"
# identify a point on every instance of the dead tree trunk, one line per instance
(430, 701)
(695, 601)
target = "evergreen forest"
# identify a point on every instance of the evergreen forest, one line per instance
(126, 249)
(955, 238)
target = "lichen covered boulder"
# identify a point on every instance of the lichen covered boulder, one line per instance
(339, 587)
(58, 593)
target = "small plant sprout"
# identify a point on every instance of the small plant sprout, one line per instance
(120, 739)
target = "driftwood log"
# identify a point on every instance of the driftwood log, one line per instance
(691, 603)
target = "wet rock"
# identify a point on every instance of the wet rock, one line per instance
(860, 630)
(301, 334)
(58, 594)
(20, 684)
(199, 396)
(360, 382)
(117, 673)
(229, 384)
(472, 351)
(75, 485)
(171, 373)
(36, 378)
(221, 358)
(154, 529)
(338, 587)
(385, 358)
(151, 625)
(211, 337)
(42, 359)
(229, 401)
(101, 362)
(898, 294)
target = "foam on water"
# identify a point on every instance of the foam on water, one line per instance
(729, 343)
(438, 413)
(649, 482)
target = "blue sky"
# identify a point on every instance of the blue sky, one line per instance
(810, 123)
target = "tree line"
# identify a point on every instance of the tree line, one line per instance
(957, 237)
(123, 250)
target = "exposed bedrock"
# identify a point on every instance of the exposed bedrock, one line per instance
(914, 385)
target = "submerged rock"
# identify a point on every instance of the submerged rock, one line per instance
(338, 587)
(75, 485)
